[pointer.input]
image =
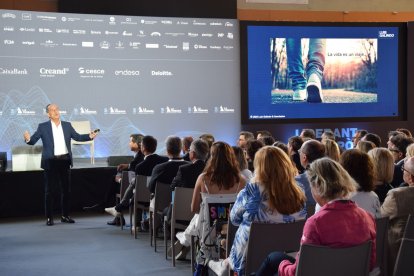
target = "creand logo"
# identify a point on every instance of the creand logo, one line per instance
(53, 72)
(13, 71)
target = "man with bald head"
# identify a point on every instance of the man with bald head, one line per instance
(398, 204)
(56, 158)
(309, 152)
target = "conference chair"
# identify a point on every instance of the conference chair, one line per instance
(140, 201)
(181, 216)
(404, 265)
(269, 237)
(382, 245)
(84, 127)
(162, 200)
(210, 222)
(327, 261)
(125, 180)
(409, 228)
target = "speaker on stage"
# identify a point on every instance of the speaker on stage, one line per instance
(3, 161)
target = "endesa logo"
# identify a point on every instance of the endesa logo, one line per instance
(127, 73)
(53, 72)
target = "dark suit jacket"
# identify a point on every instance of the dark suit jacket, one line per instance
(186, 157)
(146, 166)
(165, 173)
(44, 132)
(138, 158)
(187, 174)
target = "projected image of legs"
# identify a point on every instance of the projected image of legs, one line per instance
(315, 70)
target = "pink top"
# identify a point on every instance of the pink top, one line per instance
(339, 224)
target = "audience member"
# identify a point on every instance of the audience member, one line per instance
(365, 146)
(252, 146)
(331, 149)
(221, 176)
(383, 171)
(339, 223)
(294, 144)
(282, 146)
(361, 168)
(272, 197)
(186, 143)
(244, 136)
(261, 133)
(310, 151)
(398, 144)
(327, 134)
(358, 135)
(241, 158)
(208, 138)
(398, 204)
(266, 140)
(372, 137)
(410, 151)
(187, 174)
(135, 146)
(405, 131)
(148, 148)
(165, 172)
(308, 133)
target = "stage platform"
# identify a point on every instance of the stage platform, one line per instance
(22, 193)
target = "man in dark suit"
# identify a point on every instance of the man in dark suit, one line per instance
(186, 147)
(166, 172)
(135, 146)
(56, 158)
(148, 148)
(187, 174)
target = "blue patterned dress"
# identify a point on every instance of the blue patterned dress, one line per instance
(252, 205)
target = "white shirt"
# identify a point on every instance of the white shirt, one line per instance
(58, 139)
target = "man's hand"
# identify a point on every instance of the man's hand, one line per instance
(122, 167)
(26, 136)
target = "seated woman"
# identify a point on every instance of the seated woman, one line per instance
(361, 168)
(339, 223)
(220, 176)
(384, 171)
(241, 158)
(273, 196)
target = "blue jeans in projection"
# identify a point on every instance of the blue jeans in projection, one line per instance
(316, 60)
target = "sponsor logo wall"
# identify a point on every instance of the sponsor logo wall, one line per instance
(119, 72)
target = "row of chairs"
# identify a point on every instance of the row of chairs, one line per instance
(285, 237)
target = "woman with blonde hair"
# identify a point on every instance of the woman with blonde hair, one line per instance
(383, 170)
(332, 149)
(339, 223)
(365, 146)
(273, 196)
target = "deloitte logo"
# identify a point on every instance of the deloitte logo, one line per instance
(91, 73)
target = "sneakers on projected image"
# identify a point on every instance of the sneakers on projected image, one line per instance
(299, 95)
(314, 89)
